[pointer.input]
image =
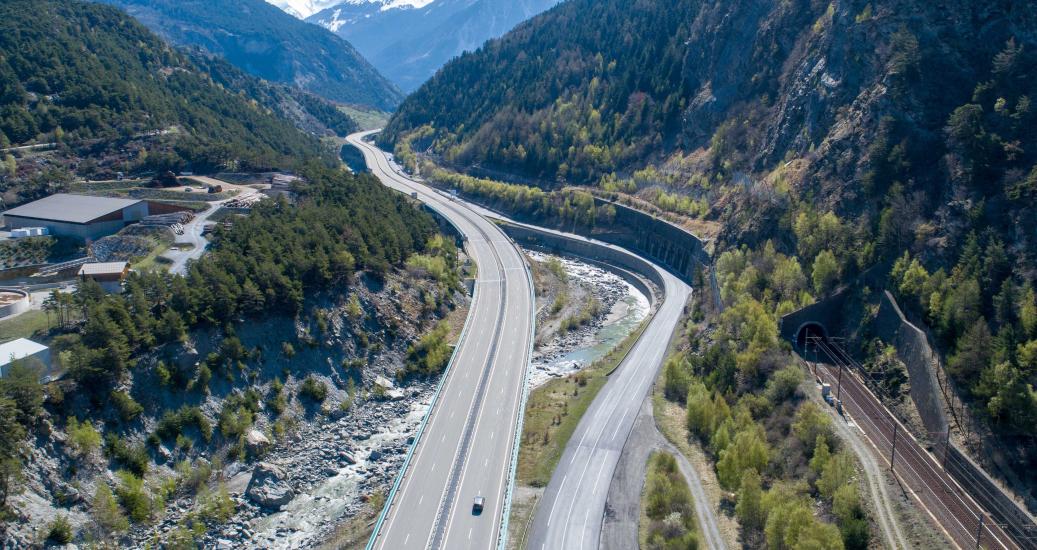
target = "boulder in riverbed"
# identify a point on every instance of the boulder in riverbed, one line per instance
(269, 487)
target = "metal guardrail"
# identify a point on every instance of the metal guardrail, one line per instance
(502, 533)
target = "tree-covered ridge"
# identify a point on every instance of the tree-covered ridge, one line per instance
(849, 132)
(573, 93)
(284, 260)
(308, 112)
(74, 72)
(264, 41)
(267, 263)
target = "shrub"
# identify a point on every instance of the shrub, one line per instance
(204, 376)
(277, 401)
(216, 506)
(238, 413)
(60, 530)
(133, 496)
(133, 457)
(677, 380)
(430, 354)
(82, 436)
(748, 450)
(668, 505)
(811, 422)
(173, 423)
(127, 407)
(783, 384)
(106, 511)
(193, 476)
(837, 472)
(313, 389)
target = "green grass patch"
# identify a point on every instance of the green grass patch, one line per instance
(193, 206)
(92, 186)
(554, 410)
(154, 260)
(24, 326)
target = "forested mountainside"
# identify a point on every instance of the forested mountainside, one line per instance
(852, 134)
(409, 41)
(266, 42)
(113, 97)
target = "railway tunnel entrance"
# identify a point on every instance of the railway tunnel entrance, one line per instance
(809, 331)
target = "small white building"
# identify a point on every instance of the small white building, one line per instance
(23, 232)
(23, 348)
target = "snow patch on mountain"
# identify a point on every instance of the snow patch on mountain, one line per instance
(305, 8)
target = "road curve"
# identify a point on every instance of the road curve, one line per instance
(571, 512)
(465, 447)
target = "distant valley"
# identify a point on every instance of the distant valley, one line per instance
(408, 40)
(268, 43)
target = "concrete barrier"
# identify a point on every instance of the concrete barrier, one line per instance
(604, 256)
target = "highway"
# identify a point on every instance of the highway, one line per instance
(571, 512)
(920, 474)
(465, 447)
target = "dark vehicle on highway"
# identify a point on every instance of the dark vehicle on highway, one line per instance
(477, 505)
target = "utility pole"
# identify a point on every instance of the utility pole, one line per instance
(839, 384)
(946, 447)
(893, 453)
(979, 531)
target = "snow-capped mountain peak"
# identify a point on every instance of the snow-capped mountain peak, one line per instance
(305, 8)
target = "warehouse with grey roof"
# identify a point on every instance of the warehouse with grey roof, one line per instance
(82, 216)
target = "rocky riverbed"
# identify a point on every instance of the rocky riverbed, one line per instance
(325, 473)
(622, 308)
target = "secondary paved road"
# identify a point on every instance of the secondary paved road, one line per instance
(620, 529)
(193, 235)
(571, 512)
(466, 447)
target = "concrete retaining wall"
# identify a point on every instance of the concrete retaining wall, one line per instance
(672, 247)
(604, 256)
(914, 351)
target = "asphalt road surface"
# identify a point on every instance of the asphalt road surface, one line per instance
(465, 449)
(571, 513)
(193, 235)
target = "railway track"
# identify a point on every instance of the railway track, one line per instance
(967, 524)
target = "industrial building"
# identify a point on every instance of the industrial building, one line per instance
(110, 275)
(82, 216)
(24, 349)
